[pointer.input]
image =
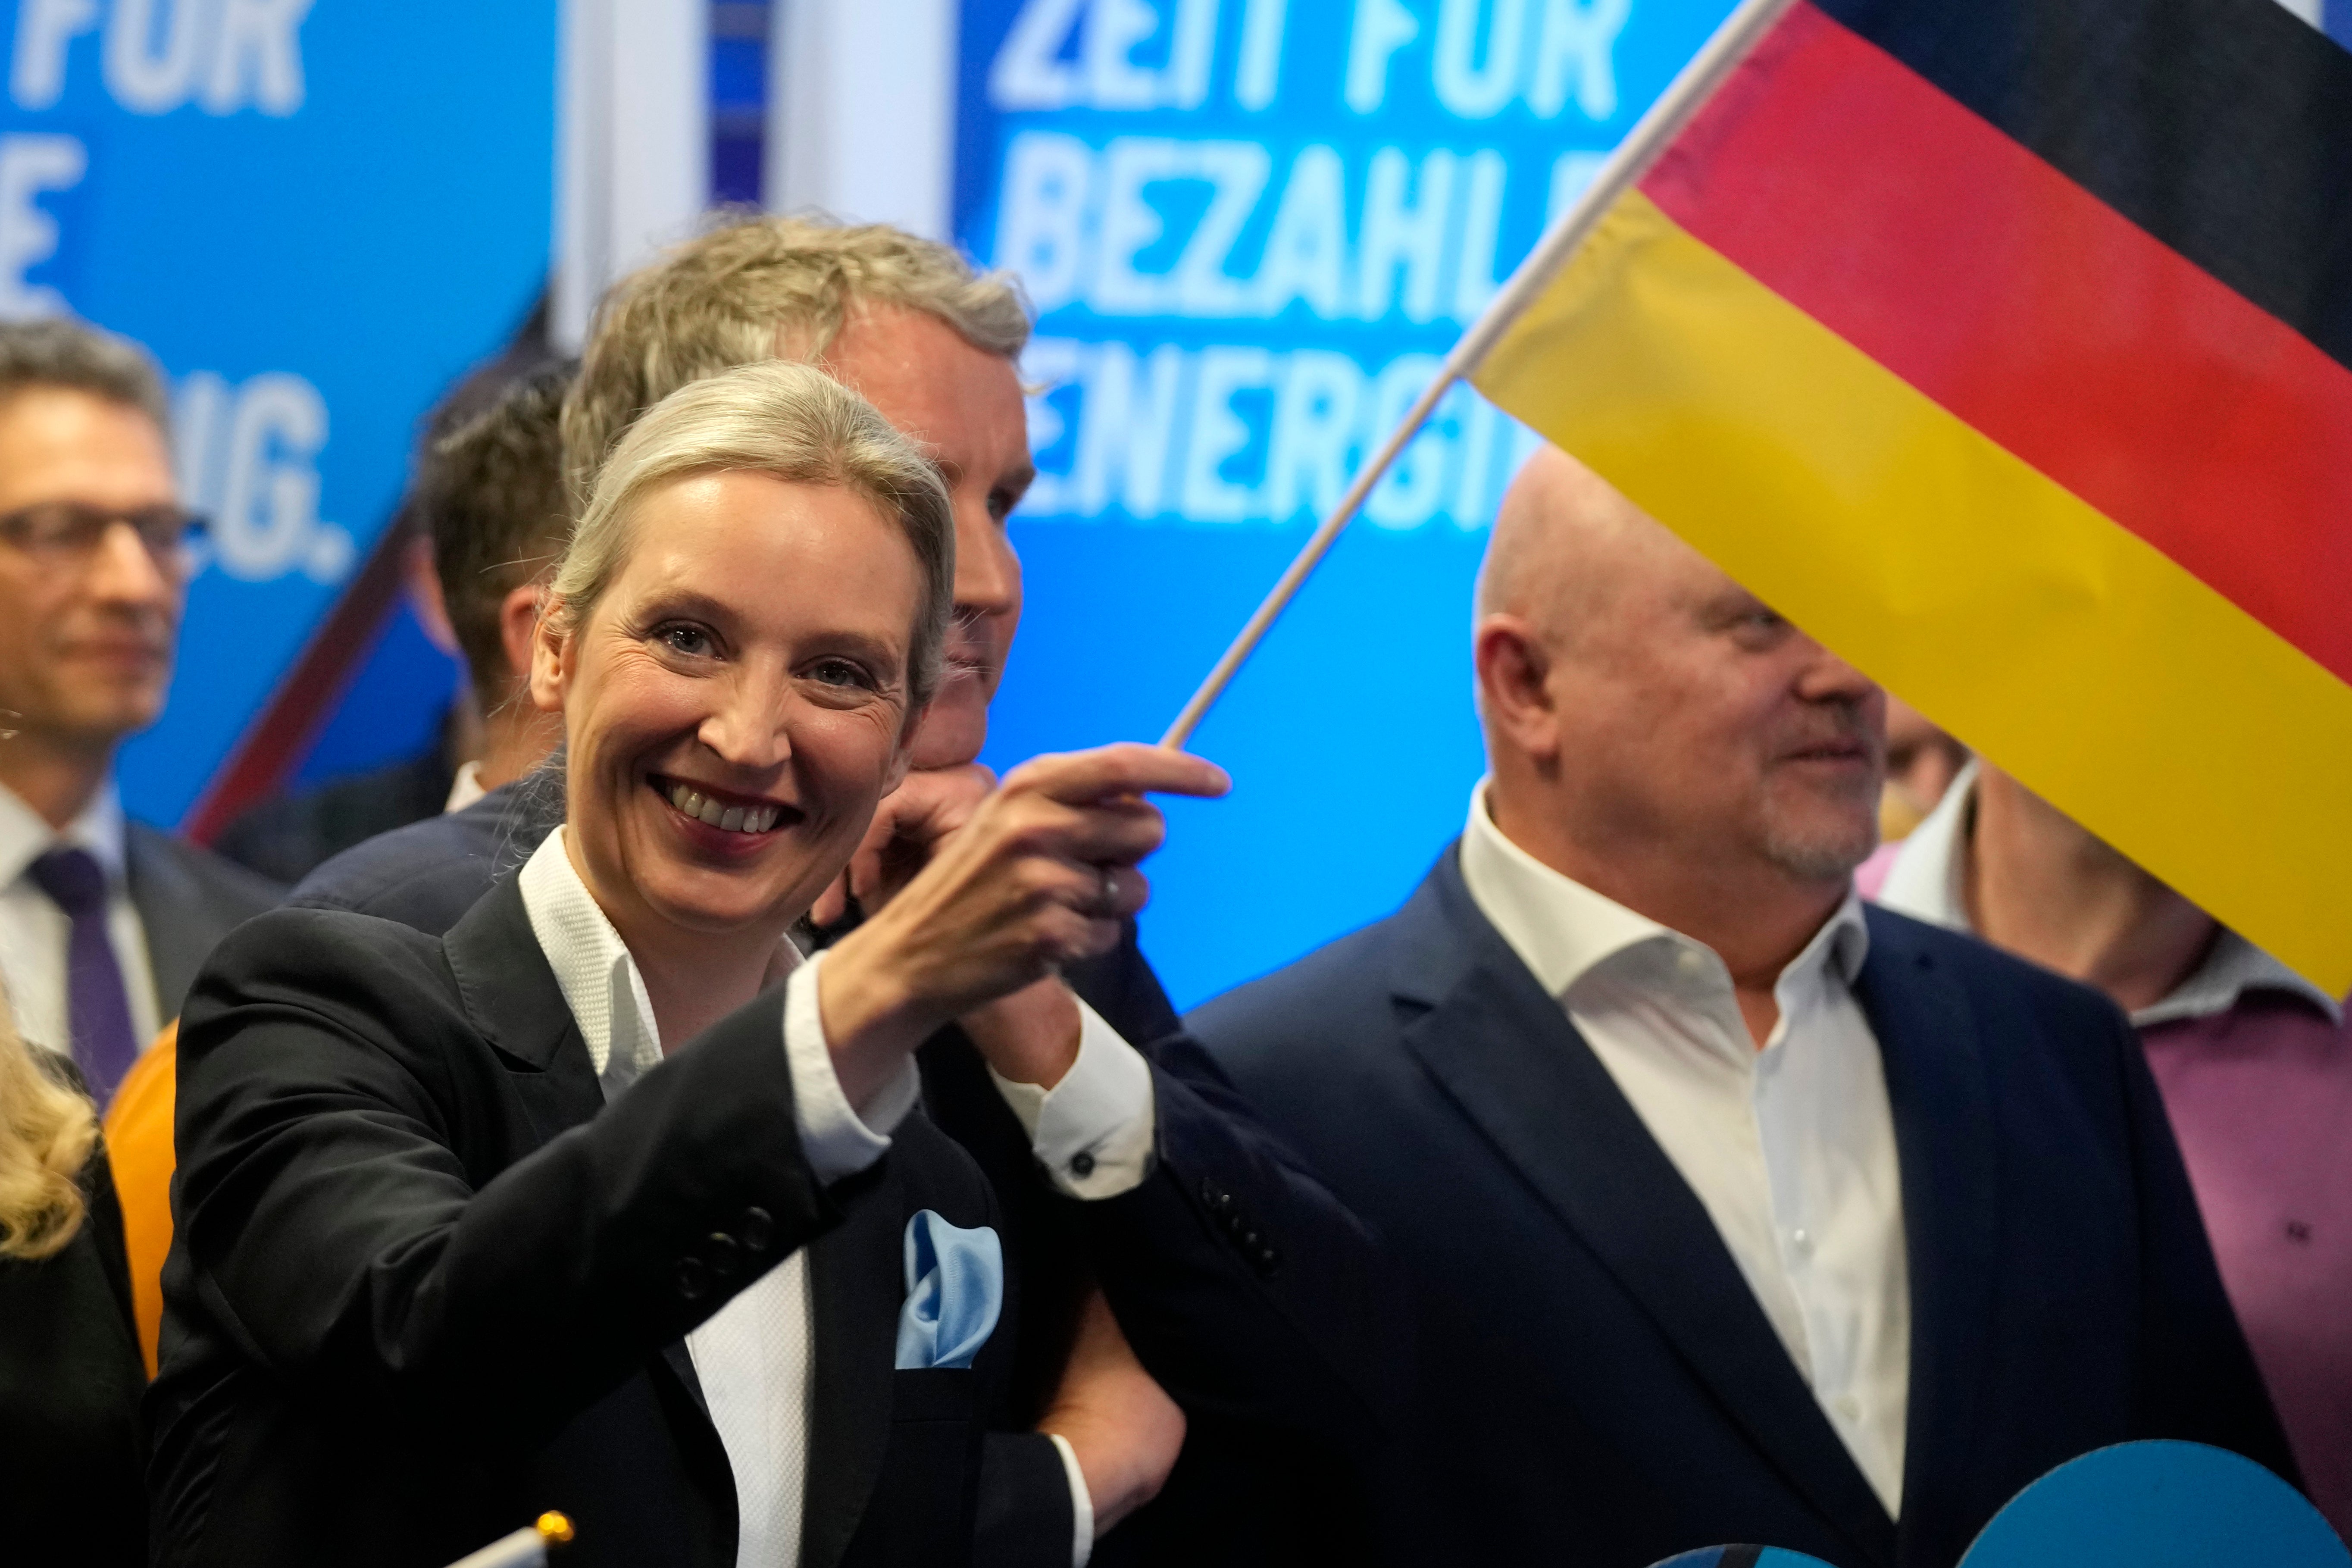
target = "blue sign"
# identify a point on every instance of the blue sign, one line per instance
(318, 215)
(1249, 228)
(2160, 1504)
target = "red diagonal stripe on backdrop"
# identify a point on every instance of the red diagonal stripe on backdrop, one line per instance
(1869, 199)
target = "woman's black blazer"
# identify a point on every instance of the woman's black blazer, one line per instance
(71, 1448)
(425, 1284)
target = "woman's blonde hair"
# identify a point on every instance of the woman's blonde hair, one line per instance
(46, 1132)
(795, 424)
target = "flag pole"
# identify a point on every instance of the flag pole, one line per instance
(1698, 79)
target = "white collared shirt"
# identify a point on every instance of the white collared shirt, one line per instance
(1928, 881)
(33, 932)
(753, 1357)
(464, 788)
(1790, 1149)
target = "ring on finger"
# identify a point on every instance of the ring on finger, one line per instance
(1107, 900)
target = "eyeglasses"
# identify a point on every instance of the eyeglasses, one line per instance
(66, 534)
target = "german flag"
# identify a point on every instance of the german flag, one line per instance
(2006, 346)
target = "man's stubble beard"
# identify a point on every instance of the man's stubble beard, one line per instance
(1824, 853)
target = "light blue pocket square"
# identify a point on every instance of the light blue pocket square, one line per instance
(955, 1288)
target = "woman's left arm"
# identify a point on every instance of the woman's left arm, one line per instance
(377, 1202)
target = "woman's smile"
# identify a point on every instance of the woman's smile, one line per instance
(726, 820)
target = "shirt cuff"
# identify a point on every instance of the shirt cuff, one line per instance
(1082, 1503)
(1094, 1131)
(839, 1139)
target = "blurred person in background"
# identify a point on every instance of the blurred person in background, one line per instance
(492, 491)
(1246, 1290)
(1732, 1211)
(2254, 1063)
(1922, 761)
(103, 922)
(73, 1452)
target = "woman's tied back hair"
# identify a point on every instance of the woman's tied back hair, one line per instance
(764, 288)
(792, 421)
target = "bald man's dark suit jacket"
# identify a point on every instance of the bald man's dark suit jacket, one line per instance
(1597, 1384)
(1252, 1297)
(426, 1283)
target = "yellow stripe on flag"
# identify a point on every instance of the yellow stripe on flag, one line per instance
(2109, 679)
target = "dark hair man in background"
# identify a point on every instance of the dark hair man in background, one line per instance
(2254, 1061)
(1239, 1282)
(103, 921)
(1733, 1211)
(492, 493)
(1922, 761)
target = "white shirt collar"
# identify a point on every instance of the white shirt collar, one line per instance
(592, 966)
(2231, 968)
(26, 836)
(1563, 931)
(1927, 881)
(465, 789)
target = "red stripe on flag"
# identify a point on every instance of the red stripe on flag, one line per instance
(1878, 205)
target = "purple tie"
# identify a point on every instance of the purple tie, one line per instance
(103, 1042)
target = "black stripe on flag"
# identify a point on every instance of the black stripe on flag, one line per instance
(2222, 127)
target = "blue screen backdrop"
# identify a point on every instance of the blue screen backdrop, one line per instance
(317, 213)
(1249, 228)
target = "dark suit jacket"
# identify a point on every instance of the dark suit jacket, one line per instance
(286, 837)
(1256, 1301)
(1596, 1382)
(187, 899)
(426, 1284)
(71, 1447)
(429, 873)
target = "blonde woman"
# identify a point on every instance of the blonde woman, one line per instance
(71, 1448)
(608, 1201)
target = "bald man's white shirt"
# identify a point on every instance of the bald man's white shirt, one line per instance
(1791, 1148)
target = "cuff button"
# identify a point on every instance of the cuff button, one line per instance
(723, 1255)
(693, 1278)
(1082, 1165)
(758, 1230)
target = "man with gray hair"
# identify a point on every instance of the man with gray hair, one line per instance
(1732, 1211)
(103, 921)
(907, 322)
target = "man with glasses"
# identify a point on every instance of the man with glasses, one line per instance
(103, 921)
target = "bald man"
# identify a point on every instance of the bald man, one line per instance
(1733, 1211)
